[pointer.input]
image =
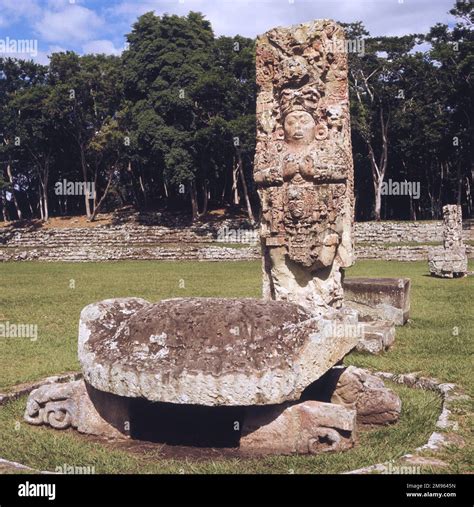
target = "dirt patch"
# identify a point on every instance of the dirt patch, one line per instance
(60, 222)
(153, 451)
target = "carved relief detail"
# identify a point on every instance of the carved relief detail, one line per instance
(303, 163)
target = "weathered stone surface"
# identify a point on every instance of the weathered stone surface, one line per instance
(75, 404)
(423, 461)
(310, 427)
(451, 261)
(448, 263)
(103, 414)
(360, 390)
(209, 351)
(379, 298)
(376, 337)
(303, 163)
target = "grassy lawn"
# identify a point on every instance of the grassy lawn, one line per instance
(41, 294)
(437, 342)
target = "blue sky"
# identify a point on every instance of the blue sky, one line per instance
(99, 26)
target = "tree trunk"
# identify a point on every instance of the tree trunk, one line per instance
(205, 199)
(379, 168)
(142, 187)
(45, 189)
(459, 178)
(244, 187)
(104, 195)
(28, 199)
(94, 198)
(40, 203)
(4, 206)
(224, 187)
(235, 186)
(468, 197)
(378, 199)
(45, 204)
(194, 201)
(84, 177)
(13, 192)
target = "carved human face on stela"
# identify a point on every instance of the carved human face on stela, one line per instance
(299, 128)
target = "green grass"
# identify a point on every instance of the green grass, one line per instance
(438, 341)
(42, 294)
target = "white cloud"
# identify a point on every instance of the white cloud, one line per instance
(101, 46)
(72, 23)
(422, 48)
(98, 27)
(12, 11)
(253, 17)
(42, 57)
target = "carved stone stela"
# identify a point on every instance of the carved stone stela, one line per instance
(451, 260)
(303, 163)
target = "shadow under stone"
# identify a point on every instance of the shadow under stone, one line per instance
(323, 388)
(188, 425)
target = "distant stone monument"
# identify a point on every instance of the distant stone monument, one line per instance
(303, 163)
(451, 260)
(256, 357)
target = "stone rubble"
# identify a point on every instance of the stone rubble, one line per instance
(376, 337)
(358, 389)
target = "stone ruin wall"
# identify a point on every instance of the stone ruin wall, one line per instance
(153, 242)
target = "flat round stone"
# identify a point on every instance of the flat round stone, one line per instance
(205, 351)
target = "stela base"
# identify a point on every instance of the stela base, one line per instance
(347, 397)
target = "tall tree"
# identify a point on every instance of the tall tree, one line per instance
(452, 54)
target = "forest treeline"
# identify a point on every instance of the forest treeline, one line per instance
(170, 124)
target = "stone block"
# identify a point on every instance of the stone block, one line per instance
(376, 337)
(379, 298)
(448, 263)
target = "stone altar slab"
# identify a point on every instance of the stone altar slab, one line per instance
(209, 351)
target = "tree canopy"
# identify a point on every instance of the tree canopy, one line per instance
(170, 124)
